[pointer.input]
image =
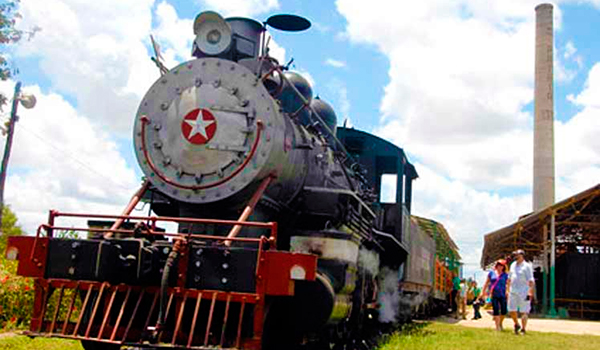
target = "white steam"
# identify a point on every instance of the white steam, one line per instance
(368, 260)
(389, 296)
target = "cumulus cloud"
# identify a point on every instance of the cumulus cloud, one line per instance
(335, 63)
(175, 34)
(62, 160)
(240, 7)
(460, 80)
(94, 52)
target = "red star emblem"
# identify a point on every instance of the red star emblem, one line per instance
(199, 126)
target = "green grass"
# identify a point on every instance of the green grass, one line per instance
(20, 342)
(441, 336)
(417, 336)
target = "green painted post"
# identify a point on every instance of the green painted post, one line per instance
(552, 311)
(545, 272)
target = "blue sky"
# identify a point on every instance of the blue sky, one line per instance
(451, 82)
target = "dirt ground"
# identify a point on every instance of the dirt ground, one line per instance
(533, 324)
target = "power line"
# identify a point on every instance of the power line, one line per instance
(74, 158)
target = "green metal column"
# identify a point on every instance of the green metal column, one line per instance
(552, 311)
(545, 271)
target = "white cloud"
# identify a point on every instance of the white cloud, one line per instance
(335, 63)
(460, 78)
(250, 8)
(95, 52)
(62, 160)
(276, 51)
(339, 94)
(174, 33)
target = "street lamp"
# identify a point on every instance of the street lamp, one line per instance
(28, 101)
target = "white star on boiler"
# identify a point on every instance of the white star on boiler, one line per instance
(198, 126)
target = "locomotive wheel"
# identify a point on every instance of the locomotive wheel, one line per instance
(94, 345)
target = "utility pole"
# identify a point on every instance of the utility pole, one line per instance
(28, 101)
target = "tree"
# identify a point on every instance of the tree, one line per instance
(9, 228)
(9, 35)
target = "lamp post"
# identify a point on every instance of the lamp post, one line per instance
(28, 101)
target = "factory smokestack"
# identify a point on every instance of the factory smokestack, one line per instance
(543, 133)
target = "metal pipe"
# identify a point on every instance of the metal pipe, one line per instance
(135, 199)
(164, 284)
(249, 208)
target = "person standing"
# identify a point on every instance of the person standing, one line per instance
(521, 284)
(463, 294)
(455, 294)
(476, 302)
(496, 281)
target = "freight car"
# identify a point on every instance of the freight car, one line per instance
(433, 262)
(281, 239)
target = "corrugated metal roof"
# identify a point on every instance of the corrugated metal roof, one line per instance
(576, 211)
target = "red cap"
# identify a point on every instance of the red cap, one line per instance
(501, 262)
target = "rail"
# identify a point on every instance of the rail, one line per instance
(580, 303)
(151, 227)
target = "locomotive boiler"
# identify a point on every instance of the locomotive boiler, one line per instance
(282, 238)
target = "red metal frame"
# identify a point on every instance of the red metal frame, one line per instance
(250, 207)
(135, 199)
(272, 275)
(145, 121)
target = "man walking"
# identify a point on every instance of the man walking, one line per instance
(520, 285)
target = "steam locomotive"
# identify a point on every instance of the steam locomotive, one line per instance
(282, 238)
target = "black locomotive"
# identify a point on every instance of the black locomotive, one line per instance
(281, 239)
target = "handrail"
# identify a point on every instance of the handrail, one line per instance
(581, 302)
(50, 227)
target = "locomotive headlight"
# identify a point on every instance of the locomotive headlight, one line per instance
(297, 272)
(213, 34)
(213, 37)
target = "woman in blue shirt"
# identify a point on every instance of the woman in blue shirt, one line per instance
(496, 281)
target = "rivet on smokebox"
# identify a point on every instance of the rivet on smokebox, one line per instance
(224, 280)
(244, 103)
(164, 106)
(233, 90)
(220, 173)
(217, 83)
(178, 90)
(158, 145)
(225, 266)
(198, 82)
(157, 126)
(167, 161)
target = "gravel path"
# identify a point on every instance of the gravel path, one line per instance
(533, 324)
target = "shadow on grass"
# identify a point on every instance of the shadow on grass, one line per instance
(416, 328)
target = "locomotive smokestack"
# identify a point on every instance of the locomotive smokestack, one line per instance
(543, 133)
